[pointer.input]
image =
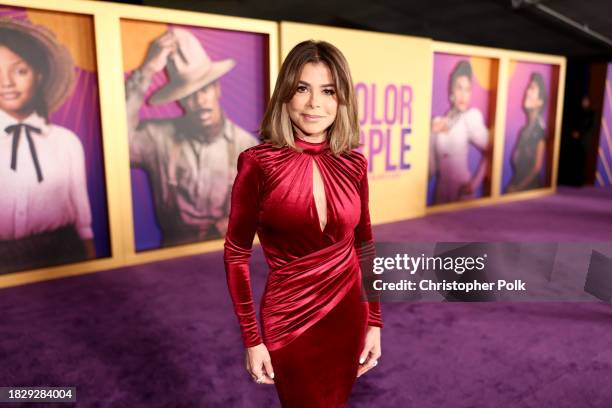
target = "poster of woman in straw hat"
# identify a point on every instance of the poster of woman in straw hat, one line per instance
(52, 206)
(194, 99)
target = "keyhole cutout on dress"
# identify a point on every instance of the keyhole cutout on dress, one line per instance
(318, 191)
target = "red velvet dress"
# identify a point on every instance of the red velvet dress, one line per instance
(313, 315)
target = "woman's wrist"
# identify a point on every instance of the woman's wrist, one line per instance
(253, 343)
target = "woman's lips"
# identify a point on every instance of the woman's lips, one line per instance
(311, 118)
(9, 96)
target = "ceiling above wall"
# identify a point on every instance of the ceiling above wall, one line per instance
(513, 24)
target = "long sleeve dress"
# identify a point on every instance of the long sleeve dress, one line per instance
(313, 312)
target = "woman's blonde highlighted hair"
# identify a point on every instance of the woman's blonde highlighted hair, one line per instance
(276, 127)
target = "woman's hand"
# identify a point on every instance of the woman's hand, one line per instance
(371, 351)
(259, 365)
(439, 124)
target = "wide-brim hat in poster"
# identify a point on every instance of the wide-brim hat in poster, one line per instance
(195, 97)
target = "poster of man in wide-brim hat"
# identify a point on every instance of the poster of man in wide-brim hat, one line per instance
(190, 160)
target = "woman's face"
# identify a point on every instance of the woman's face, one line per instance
(17, 82)
(532, 97)
(314, 105)
(461, 93)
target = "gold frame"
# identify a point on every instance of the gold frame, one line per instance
(107, 33)
(504, 57)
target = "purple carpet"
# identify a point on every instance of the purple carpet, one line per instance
(164, 334)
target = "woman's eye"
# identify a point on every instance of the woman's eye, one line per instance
(329, 92)
(23, 71)
(302, 89)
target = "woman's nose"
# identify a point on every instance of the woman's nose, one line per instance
(6, 81)
(314, 100)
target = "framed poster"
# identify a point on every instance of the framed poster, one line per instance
(53, 206)
(194, 97)
(530, 126)
(461, 134)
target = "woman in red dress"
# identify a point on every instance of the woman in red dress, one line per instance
(304, 191)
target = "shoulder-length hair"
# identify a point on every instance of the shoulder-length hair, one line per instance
(276, 127)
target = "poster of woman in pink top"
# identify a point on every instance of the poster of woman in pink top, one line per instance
(460, 142)
(50, 144)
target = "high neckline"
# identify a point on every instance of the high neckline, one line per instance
(34, 119)
(311, 147)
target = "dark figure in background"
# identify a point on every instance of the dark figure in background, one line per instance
(529, 152)
(580, 142)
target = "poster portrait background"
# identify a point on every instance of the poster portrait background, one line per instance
(244, 92)
(484, 92)
(603, 175)
(519, 74)
(80, 113)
